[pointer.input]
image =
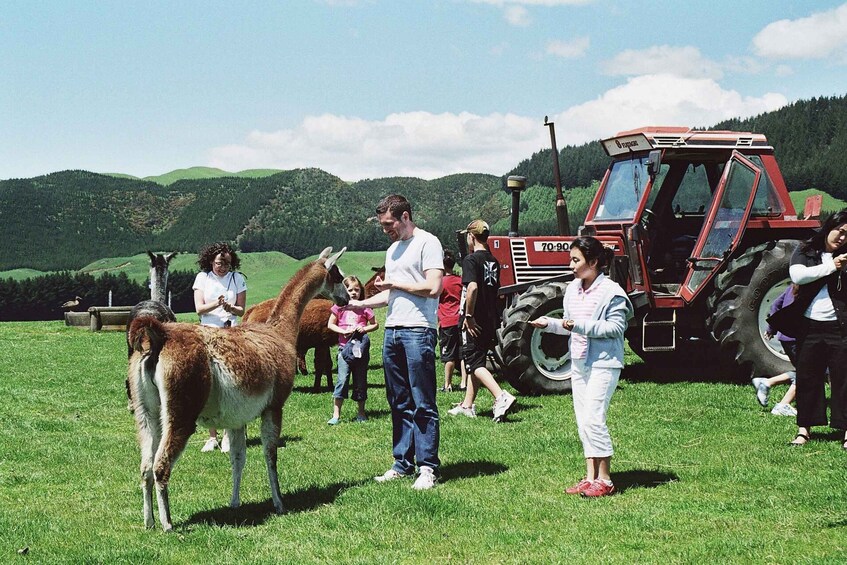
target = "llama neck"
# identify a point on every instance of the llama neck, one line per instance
(158, 285)
(292, 300)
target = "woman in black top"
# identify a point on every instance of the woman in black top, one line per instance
(818, 266)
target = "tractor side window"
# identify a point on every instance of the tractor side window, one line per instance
(694, 193)
(623, 191)
(766, 202)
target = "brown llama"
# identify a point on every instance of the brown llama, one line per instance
(185, 375)
(313, 333)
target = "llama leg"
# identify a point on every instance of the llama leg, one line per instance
(237, 458)
(271, 422)
(173, 444)
(149, 442)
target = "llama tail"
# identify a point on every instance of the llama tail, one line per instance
(147, 336)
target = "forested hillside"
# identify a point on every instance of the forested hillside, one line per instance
(66, 220)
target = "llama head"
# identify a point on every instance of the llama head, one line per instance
(333, 287)
(159, 274)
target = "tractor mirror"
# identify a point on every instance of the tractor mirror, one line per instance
(654, 161)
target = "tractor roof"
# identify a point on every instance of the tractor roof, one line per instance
(659, 137)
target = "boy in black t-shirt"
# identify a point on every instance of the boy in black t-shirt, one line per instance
(481, 280)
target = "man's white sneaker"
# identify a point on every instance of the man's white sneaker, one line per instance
(784, 410)
(502, 406)
(762, 390)
(459, 409)
(426, 479)
(210, 445)
(225, 442)
(389, 475)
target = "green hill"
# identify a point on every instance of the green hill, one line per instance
(68, 219)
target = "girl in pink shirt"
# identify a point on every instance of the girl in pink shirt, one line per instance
(351, 324)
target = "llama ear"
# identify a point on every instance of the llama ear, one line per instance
(332, 260)
(151, 255)
(325, 253)
(170, 256)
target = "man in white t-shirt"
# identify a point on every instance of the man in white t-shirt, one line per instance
(413, 270)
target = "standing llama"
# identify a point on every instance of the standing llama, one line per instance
(157, 306)
(314, 333)
(184, 375)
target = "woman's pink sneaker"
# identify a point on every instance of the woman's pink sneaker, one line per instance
(579, 487)
(598, 488)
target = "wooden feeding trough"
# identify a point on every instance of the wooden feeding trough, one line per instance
(108, 317)
(78, 319)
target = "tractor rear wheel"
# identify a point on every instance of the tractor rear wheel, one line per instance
(534, 361)
(740, 305)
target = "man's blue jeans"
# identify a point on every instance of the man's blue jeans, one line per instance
(408, 358)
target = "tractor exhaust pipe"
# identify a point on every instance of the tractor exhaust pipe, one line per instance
(515, 185)
(561, 206)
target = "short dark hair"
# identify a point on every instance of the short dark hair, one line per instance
(818, 241)
(208, 253)
(592, 249)
(395, 204)
(449, 261)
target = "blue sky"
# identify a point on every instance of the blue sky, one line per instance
(373, 88)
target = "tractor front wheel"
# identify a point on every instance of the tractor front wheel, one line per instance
(534, 361)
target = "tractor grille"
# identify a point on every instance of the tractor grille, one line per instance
(524, 273)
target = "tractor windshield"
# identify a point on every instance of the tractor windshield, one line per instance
(624, 190)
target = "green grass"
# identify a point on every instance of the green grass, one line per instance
(705, 476)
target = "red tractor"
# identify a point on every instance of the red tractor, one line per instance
(703, 230)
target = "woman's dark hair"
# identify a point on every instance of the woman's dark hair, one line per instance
(818, 241)
(207, 256)
(593, 250)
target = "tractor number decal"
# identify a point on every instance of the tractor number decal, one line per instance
(556, 246)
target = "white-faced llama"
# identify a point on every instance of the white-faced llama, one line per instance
(184, 375)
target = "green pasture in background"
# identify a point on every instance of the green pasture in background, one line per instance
(704, 475)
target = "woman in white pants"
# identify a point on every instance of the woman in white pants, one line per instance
(596, 314)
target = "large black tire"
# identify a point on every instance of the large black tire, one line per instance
(739, 306)
(533, 361)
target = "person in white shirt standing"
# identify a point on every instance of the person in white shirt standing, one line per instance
(220, 295)
(414, 268)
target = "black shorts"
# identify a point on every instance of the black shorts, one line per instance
(449, 340)
(475, 350)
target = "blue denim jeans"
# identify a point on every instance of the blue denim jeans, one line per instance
(359, 369)
(408, 358)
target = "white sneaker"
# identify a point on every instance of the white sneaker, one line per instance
(459, 409)
(502, 405)
(762, 390)
(225, 442)
(210, 445)
(426, 480)
(784, 410)
(389, 475)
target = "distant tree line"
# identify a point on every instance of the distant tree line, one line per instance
(41, 298)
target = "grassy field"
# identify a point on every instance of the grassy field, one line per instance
(704, 476)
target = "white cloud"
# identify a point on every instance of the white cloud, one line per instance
(572, 49)
(820, 35)
(661, 99)
(663, 59)
(517, 16)
(419, 144)
(427, 145)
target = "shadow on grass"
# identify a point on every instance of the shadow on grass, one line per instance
(257, 513)
(470, 469)
(257, 441)
(641, 479)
